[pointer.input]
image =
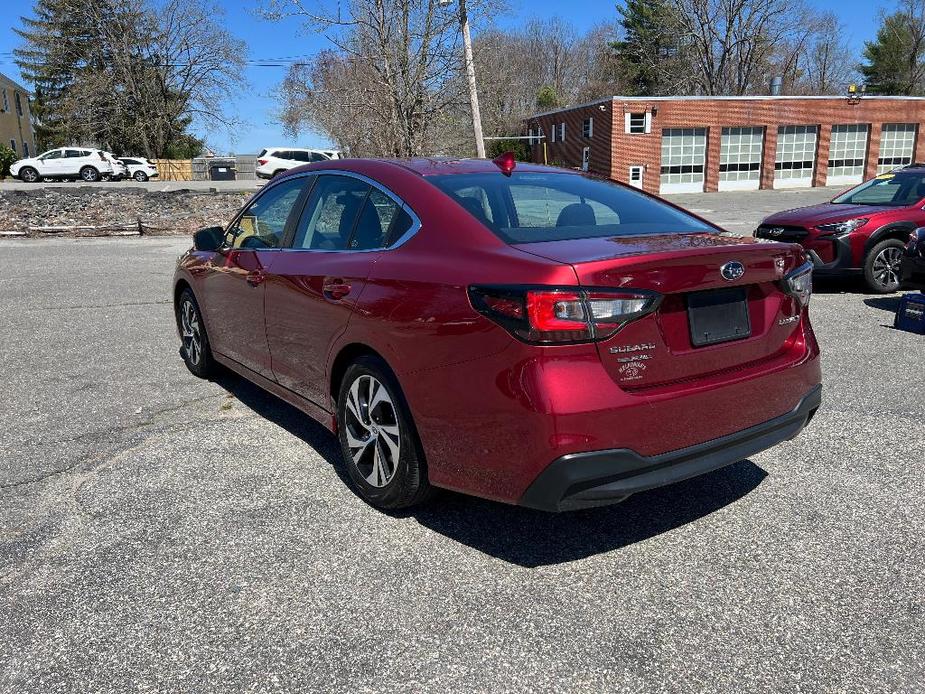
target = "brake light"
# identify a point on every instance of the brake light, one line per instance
(262, 161)
(799, 284)
(561, 315)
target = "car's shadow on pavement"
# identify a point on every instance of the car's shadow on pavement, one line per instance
(884, 303)
(523, 536)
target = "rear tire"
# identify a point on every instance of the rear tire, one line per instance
(140, 176)
(881, 266)
(194, 348)
(381, 453)
(277, 173)
(89, 174)
(29, 175)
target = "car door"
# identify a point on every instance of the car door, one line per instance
(315, 283)
(51, 163)
(72, 162)
(234, 288)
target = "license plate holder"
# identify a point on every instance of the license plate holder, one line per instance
(718, 315)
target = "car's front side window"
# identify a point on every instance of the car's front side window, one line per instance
(263, 223)
(53, 154)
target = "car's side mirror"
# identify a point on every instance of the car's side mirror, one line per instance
(208, 239)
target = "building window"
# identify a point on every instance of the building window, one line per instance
(684, 155)
(6, 102)
(18, 103)
(638, 123)
(796, 152)
(848, 152)
(12, 144)
(587, 128)
(897, 145)
(552, 133)
(561, 132)
(25, 149)
(585, 158)
(635, 176)
(740, 154)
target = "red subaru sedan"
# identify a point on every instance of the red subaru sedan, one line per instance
(526, 334)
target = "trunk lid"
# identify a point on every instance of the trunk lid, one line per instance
(686, 269)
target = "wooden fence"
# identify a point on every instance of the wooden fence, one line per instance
(198, 169)
(174, 169)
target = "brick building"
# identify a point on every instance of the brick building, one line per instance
(688, 144)
(15, 119)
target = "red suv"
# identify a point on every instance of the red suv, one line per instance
(530, 335)
(862, 231)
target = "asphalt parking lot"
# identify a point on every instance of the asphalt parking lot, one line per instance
(161, 533)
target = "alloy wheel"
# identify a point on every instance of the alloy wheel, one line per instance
(191, 332)
(89, 175)
(372, 430)
(30, 176)
(886, 267)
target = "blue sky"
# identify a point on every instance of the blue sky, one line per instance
(265, 40)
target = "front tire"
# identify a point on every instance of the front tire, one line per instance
(29, 175)
(195, 350)
(881, 266)
(89, 174)
(381, 452)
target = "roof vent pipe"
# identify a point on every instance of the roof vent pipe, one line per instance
(777, 84)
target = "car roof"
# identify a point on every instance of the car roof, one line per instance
(443, 166)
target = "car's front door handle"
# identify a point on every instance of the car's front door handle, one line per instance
(255, 278)
(336, 289)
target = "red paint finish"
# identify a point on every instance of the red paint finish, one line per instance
(493, 412)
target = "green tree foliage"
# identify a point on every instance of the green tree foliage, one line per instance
(519, 147)
(7, 157)
(648, 55)
(130, 76)
(547, 97)
(895, 60)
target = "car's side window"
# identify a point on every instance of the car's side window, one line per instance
(71, 153)
(54, 154)
(379, 214)
(331, 213)
(317, 156)
(263, 224)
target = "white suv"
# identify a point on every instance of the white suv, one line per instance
(89, 165)
(140, 169)
(274, 160)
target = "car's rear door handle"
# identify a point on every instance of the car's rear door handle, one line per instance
(255, 277)
(336, 289)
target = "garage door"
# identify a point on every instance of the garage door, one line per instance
(897, 145)
(684, 155)
(847, 155)
(740, 158)
(796, 156)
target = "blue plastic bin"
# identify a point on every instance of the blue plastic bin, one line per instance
(911, 313)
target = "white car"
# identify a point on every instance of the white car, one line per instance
(140, 169)
(89, 165)
(119, 169)
(272, 161)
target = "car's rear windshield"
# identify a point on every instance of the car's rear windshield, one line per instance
(887, 190)
(530, 207)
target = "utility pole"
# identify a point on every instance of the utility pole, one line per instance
(470, 75)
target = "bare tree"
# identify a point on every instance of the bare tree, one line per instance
(402, 56)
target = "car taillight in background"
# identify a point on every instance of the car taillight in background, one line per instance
(561, 315)
(261, 162)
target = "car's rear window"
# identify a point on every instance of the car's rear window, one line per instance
(528, 207)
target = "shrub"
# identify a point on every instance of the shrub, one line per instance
(7, 157)
(520, 148)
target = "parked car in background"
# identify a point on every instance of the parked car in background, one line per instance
(119, 170)
(273, 161)
(862, 231)
(82, 163)
(518, 332)
(912, 265)
(140, 169)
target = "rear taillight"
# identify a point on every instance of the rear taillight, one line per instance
(102, 156)
(557, 315)
(261, 162)
(798, 283)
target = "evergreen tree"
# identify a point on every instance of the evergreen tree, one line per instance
(895, 60)
(650, 50)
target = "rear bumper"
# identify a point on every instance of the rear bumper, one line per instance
(584, 480)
